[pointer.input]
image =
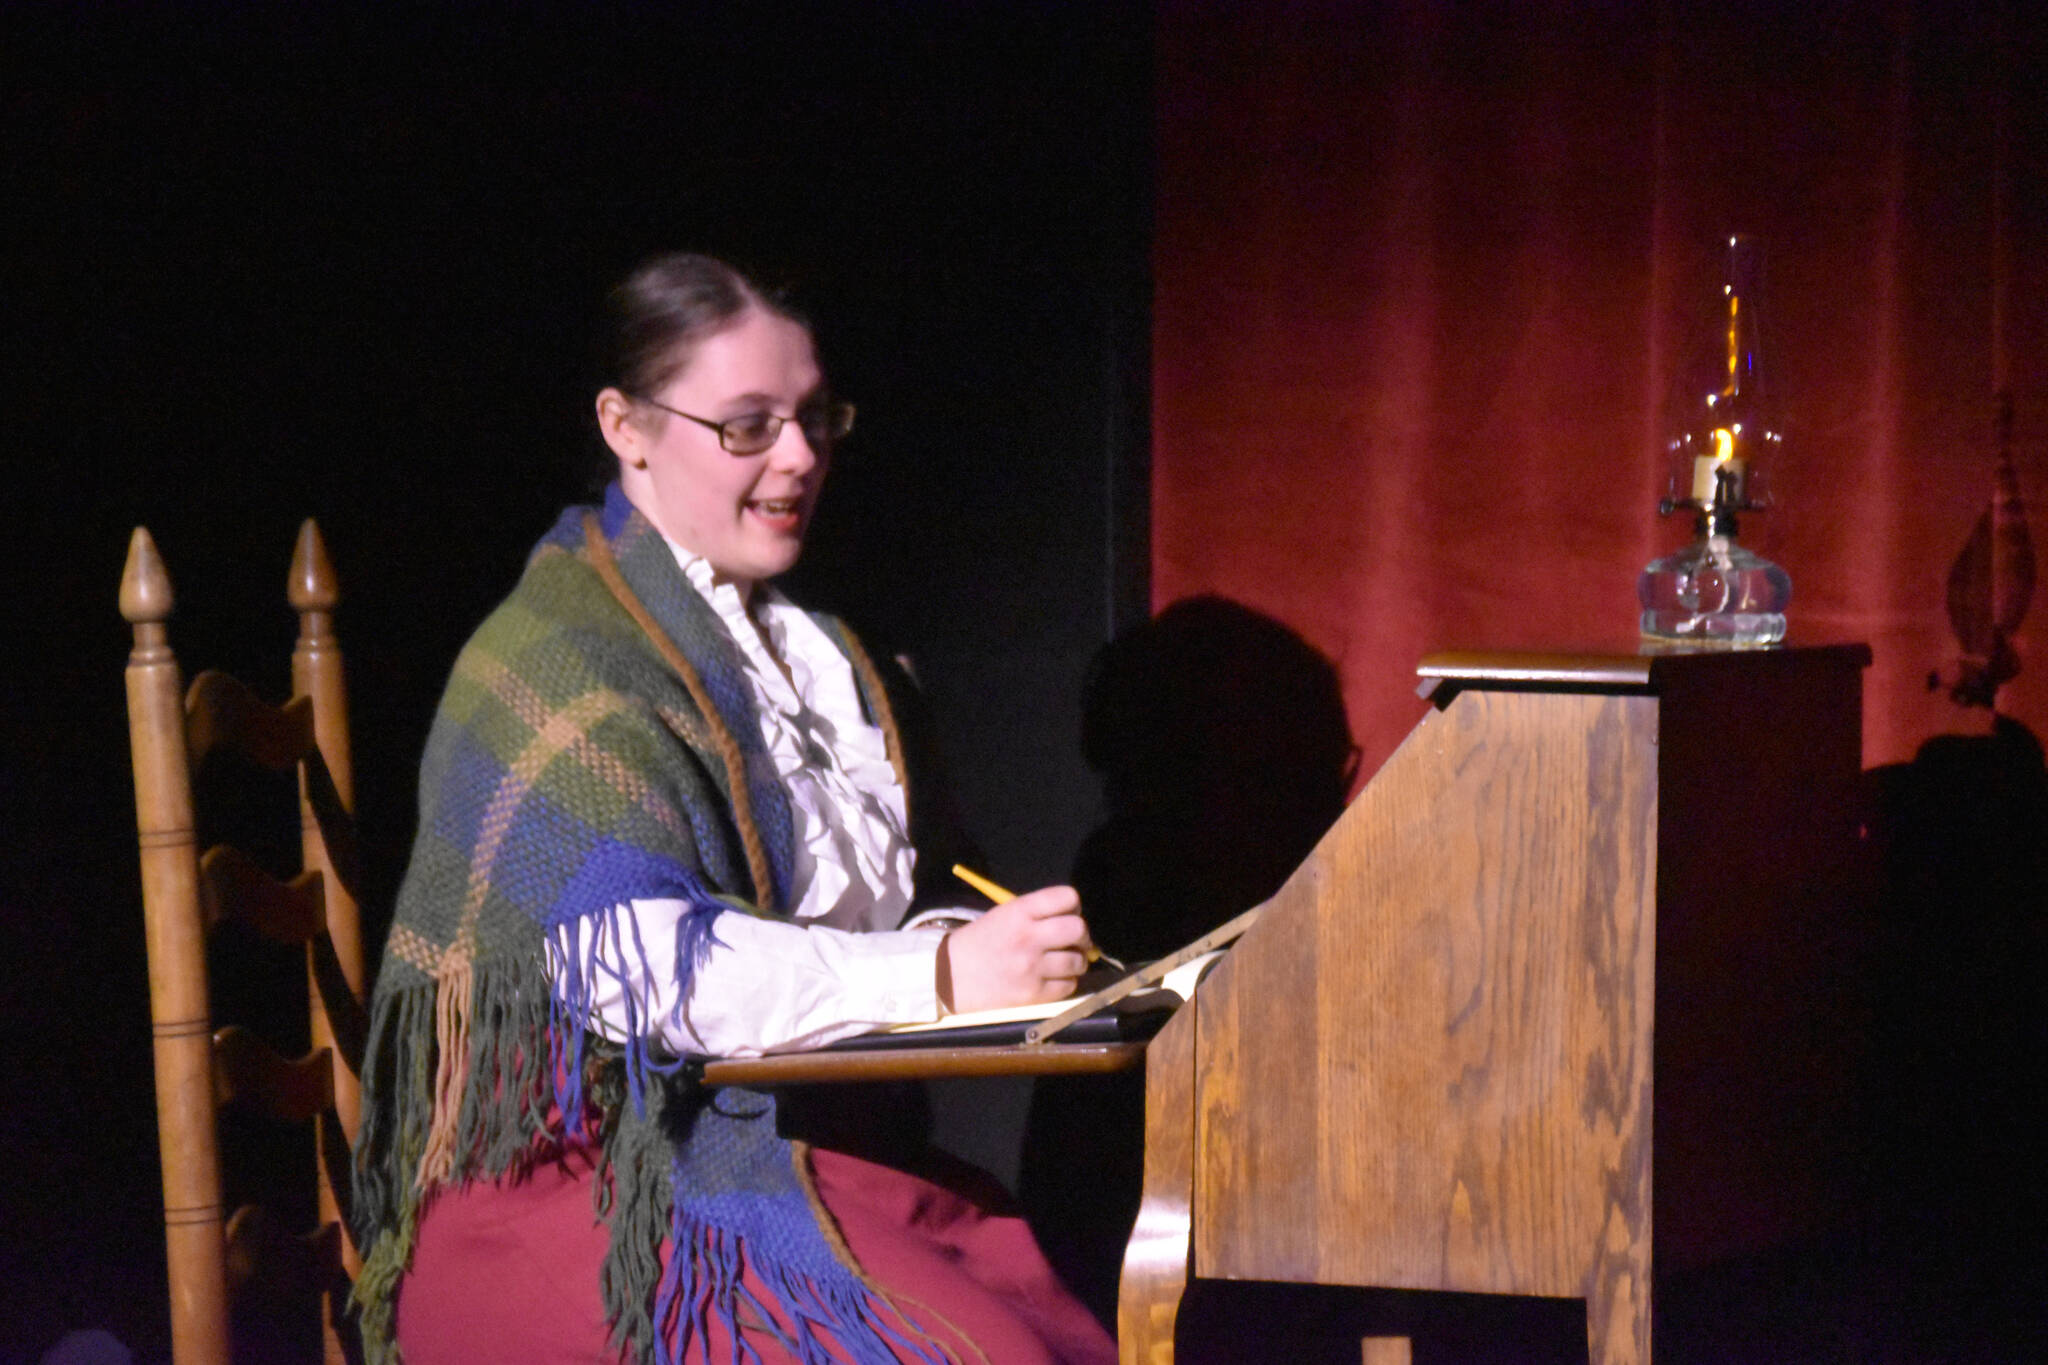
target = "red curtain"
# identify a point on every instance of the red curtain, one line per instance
(1425, 274)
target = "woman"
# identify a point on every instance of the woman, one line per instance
(664, 812)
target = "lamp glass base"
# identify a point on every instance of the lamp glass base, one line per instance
(1714, 592)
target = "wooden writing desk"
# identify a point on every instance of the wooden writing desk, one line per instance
(1556, 966)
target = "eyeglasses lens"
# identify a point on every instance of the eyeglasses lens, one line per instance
(750, 435)
(827, 424)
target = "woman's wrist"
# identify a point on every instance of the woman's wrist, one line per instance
(942, 973)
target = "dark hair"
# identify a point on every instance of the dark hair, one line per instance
(655, 317)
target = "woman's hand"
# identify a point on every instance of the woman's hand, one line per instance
(1020, 953)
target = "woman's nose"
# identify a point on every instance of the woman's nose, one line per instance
(793, 451)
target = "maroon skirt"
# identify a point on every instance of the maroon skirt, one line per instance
(508, 1271)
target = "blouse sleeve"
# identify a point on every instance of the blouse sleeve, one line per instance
(762, 985)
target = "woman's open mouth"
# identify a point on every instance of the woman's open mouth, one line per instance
(777, 511)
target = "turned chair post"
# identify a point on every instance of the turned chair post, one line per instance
(317, 674)
(181, 1029)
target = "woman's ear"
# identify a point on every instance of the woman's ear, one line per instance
(615, 423)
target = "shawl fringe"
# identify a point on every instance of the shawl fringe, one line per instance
(466, 1101)
(578, 972)
(704, 1280)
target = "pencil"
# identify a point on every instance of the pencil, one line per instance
(983, 885)
(999, 895)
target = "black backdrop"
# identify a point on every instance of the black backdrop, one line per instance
(266, 262)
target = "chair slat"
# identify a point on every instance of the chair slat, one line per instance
(234, 887)
(249, 1074)
(257, 1249)
(220, 710)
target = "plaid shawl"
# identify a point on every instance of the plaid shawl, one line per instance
(597, 743)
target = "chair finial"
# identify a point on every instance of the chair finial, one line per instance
(145, 583)
(312, 586)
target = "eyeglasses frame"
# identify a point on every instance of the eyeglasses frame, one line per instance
(837, 406)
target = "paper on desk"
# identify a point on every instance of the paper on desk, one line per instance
(1177, 984)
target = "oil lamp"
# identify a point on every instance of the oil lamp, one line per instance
(1715, 592)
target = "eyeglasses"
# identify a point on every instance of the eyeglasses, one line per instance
(822, 423)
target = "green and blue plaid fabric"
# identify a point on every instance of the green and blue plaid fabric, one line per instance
(572, 768)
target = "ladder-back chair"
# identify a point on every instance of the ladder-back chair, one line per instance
(186, 895)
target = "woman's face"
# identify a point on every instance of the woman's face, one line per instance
(745, 514)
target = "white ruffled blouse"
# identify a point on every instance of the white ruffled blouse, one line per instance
(844, 966)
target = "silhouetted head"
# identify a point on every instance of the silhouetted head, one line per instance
(1225, 754)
